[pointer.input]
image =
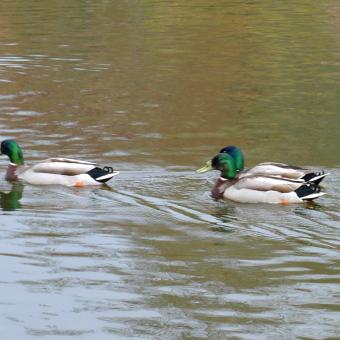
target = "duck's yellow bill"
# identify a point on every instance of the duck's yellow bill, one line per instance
(205, 168)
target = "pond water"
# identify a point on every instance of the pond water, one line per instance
(154, 89)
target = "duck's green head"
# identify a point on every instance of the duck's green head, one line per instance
(11, 148)
(237, 155)
(222, 162)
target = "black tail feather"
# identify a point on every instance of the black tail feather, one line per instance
(96, 173)
(309, 191)
(315, 177)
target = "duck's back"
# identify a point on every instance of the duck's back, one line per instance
(275, 169)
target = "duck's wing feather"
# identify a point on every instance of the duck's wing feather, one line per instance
(62, 166)
(267, 183)
(276, 169)
(282, 165)
(286, 172)
(68, 160)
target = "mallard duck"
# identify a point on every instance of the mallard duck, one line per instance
(273, 169)
(63, 171)
(257, 188)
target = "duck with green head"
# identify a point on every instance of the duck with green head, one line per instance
(256, 188)
(63, 171)
(273, 169)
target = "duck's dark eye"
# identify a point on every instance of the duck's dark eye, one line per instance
(3, 147)
(214, 162)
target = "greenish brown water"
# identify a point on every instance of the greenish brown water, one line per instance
(155, 89)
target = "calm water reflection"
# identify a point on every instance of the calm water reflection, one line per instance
(10, 200)
(154, 89)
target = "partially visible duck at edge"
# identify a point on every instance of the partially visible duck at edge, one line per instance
(258, 188)
(62, 171)
(273, 169)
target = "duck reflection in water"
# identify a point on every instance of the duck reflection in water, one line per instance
(11, 200)
(226, 217)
